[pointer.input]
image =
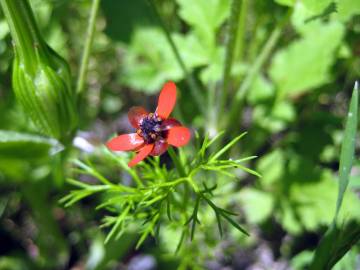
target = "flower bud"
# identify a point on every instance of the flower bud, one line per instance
(41, 78)
(46, 94)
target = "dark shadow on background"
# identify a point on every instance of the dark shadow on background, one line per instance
(122, 17)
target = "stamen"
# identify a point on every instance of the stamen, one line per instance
(150, 128)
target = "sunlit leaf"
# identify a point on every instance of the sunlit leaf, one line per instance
(285, 2)
(347, 9)
(258, 205)
(305, 63)
(26, 146)
(204, 16)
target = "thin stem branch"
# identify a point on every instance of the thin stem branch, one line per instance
(193, 86)
(88, 46)
(168, 184)
(181, 170)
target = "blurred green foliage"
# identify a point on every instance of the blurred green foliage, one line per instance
(294, 111)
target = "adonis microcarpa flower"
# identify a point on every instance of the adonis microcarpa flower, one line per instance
(155, 132)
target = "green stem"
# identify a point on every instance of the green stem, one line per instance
(23, 30)
(88, 46)
(229, 54)
(259, 62)
(239, 50)
(193, 86)
(193, 185)
(181, 170)
(212, 113)
(238, 101)
(179, 167)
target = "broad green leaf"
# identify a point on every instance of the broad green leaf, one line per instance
(289, 3)
(213, 72)
(147, 67)
(271, 166)
(258, 205)
(261, 90)
(274, 118)
(26, 146)
(284, 111)
(191, 50)
(305, 63)
(317, 7)
(347, 8)
(4, 29)
(301, 260)
(205, 16)
(307, 208)
(294, 184)
(308, 12)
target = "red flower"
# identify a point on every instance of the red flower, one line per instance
(154, 131)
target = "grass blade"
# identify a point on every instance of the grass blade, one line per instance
(336, 242)
(347, 148)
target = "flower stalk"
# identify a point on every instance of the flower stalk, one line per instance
(88, 46)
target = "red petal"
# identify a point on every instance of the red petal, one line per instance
(169, 123)
(178, 136)
(135, 115)
(143, 153)
(167, 100)
(125, 142)
(159, 148)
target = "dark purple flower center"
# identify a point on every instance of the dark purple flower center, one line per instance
(150, 128)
